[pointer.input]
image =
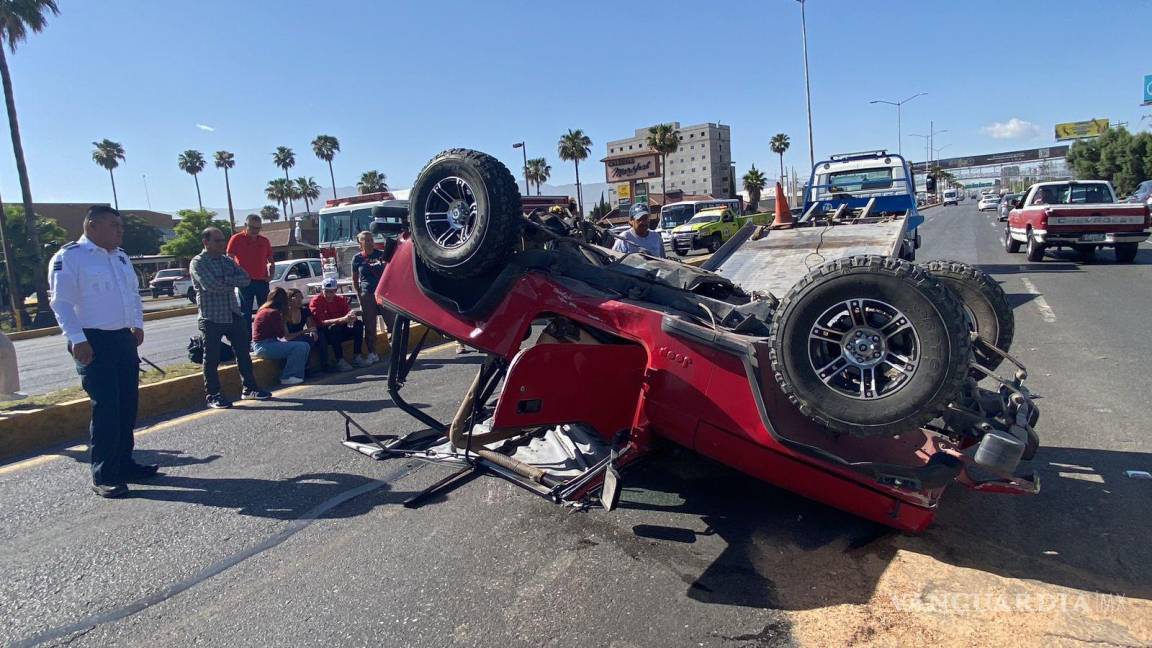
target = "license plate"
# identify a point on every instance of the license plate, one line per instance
(1091, 238)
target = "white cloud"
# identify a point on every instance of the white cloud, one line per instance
(206, 127)
(1014, 128)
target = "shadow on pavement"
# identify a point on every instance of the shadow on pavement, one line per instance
(278, 499)
(785, 552)
(165, 458)
(1029, 268)
(366, 406)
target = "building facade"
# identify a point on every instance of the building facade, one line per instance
(702, 165)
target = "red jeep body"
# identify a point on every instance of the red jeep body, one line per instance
(704, 388)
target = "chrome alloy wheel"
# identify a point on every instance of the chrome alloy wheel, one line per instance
(864, 349)
(450, 212)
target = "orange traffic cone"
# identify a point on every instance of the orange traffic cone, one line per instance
(783, 213)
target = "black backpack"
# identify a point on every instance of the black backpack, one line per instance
(196, 350)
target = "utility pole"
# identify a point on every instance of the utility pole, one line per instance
(524, 150)
(807, 86)
(898, 104)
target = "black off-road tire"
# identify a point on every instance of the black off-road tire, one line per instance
(1126, 252)
(1035, 251)
(495, 228)
(934, 312)
(1011, 245)
(984, 301)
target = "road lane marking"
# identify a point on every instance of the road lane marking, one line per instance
(1046, 311)
(179, 420)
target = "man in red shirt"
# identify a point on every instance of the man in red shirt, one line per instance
(253, 253)
(336, 323)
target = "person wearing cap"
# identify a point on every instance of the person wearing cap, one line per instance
(215, 277)
(640, 238)
(252, 251)
(96, 299)
(337, 323)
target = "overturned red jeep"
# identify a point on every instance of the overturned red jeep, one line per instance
(870, 385)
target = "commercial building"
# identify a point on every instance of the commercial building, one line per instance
(702, 165)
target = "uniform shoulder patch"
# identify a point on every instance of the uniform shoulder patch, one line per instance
(58, 265)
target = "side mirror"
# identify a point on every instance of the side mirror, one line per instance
(292, 277)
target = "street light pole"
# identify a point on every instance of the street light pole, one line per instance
(898, 104)
(807, 87)
(524, 150)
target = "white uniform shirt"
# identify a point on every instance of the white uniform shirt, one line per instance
(93, 288)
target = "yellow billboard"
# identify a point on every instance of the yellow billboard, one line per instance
(624, 192)
(1077, 130)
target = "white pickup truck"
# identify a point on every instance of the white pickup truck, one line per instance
(1082, 215)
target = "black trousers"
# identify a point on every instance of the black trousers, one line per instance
(334, 337)
(258, 291)
(240, 337)
(112, 382)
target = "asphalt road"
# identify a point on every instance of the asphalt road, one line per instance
(45, 365)
(264, 530)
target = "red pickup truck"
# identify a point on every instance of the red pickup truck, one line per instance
(1082, 215)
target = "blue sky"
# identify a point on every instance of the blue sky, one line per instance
(398, 81)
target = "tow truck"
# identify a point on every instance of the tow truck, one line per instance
(871, 385)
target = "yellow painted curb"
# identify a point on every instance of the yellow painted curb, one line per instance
(25, 433)
(148, 317)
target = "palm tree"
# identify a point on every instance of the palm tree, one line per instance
(308, 190)
(16, 19)
(372, 181)
(779, 144)
(192, 161)
(226, 160)
(754, 183)
(269, 213)
(575, 146)
(279, 190)
(539, 171)
(326, 147)
(664, 139)
(285, 159)
(108, 155)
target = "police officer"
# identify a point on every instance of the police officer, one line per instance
(96, 299)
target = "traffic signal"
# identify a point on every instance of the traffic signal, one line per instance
(931, 184)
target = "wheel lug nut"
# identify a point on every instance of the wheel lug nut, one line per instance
(875, 338)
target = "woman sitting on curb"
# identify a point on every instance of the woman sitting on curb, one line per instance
(269, 338)
(302, 327)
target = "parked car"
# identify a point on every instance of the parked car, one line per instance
(298, 273)
(988, 202)
(163, 281)
(1082, 215)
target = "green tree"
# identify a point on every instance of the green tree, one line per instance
(285, 159)
(108, 154)
(1118, 156)
(539, 171)
(779, 144)
(664, 139)
(754, 183)
(226, 160)
(25, 264)
(600, 210)
(192, 163)
(140, 237)
(371, 182)
(187, 243)
(269, 213)
(279, 190)
(309, 190)
(575, 146)
(17, 18)
(1083, 157)
(326, 147)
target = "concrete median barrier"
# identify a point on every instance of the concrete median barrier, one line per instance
(29, 432)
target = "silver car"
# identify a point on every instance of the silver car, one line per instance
(1006, 202)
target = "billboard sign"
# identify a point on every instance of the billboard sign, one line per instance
(1147, 89)
(1009, 157)
(634, 167)
(1081, 129)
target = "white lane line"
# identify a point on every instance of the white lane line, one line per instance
(1041, 304)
